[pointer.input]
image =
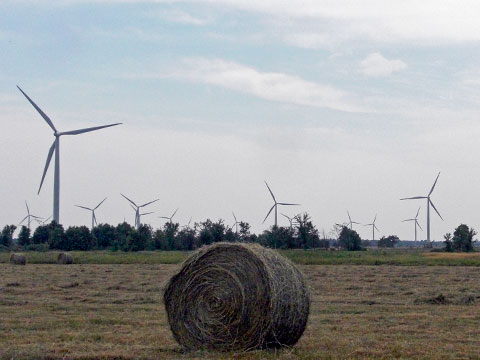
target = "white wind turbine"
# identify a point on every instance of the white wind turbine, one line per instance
(169, 218)
(29, 217)
(429, 202)
(290, 219)
(275, 205)
(137, 210)
(373, 226)
(55, 148)
(235, 223)
(350, 222)
(415, 219)
(94, 218)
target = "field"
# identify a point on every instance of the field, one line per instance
(115, 311)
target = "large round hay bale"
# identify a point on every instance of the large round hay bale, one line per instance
(65, 259)
(236, 297)
(18, 259)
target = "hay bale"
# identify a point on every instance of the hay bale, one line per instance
(65, 259)
(236, 297)
(18, 259)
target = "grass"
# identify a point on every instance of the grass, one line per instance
(115, 311)
(404, 257)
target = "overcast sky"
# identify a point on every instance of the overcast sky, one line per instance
(339, 105)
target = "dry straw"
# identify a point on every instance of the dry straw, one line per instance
(236, 297)
(64, 259)
(18, 259)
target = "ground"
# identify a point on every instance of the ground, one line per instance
(115, 311)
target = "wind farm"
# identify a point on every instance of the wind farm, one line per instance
(207, 219)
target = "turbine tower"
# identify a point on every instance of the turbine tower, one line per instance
(429, 202)
(169, 218)
(55, 148)
(373, 226)
(415, 219)
(94, 218)
(275, 205)
(137, 210)
(350, 222)
(29, 217)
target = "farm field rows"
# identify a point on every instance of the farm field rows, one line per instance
(115, 311)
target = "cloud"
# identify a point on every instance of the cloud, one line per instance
(376, 65)
(272, 86)
(182, 17)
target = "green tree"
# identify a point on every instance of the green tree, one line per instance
(306, 232)
(211, 232)
(24, 236)
(41, 234)
(104, 235)
(277, 237)
(170, 230)
(349, 239)
(57, 238)
(463, 238)
(6, 236)
(448, 242)
(159, 240)
(185, 239)
(138, 240)
(122, 231)
(78, 238)
(388, 241)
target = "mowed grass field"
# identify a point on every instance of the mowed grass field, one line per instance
(115, 311)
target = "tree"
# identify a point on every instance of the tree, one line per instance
(463, 238)
(6, 236)
(448, 242)
(40, 235)
(78, 238)
(349, 239)
(388, 241)
(211, 232)
(307, 233)
(159, 240)
(122, 231)
(278, 237)
(24, 236)
(185, 239)
(104, 235)
(57, 238)
(170, 230)
(138, 240)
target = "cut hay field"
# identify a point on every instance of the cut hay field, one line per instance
(401, 257)
(115, 311)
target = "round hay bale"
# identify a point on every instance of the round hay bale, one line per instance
(65, 259)
(237, 297)
(18, 259)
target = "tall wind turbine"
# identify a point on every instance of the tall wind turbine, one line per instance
(275, 205)
(350, 222)
(169, 218)
(429, 202)
(94, 218)
(137, 210)
(55, 148)
(415, 219)
(373, 226)
(29, 217)
(235, 223)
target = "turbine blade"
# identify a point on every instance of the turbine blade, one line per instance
(174, 213)
(147, 213)
(28, 210)
(288, 204)
(234, 216)
(271, 193)
(435, 183)
(375, 218)
(128, 199)
(414, 198)
(83, 207)
(349, 218)
(268, 213)
(134, 208)
(148, 203)
(418, 212)
(96, 207)
(164, 217)
(375, 226)
(285, 216)
(46, 118)
(25, 218)
(419, 225)
(81, 131)
(431, 203)
(49, 158)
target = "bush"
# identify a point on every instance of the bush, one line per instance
(463, 238)
(6, 236)
(104, 235)
(388, 242)
(78, 238)
(24, 236)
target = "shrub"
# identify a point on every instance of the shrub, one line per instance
(349, 239)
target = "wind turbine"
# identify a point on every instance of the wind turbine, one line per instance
(350, 222)
(169, 218)
(235, 223)
(416, 223)
(29, 217)
(275, 205)
(290, 219)
(429, 202)
(94, 218)
(137, 210)
(55, 148)
(188, 224)
(373, 226)
(43, 222)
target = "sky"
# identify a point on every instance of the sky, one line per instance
(339, 105)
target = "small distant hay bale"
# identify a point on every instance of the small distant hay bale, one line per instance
(18, 259)
(237, 297)
(65, 259)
